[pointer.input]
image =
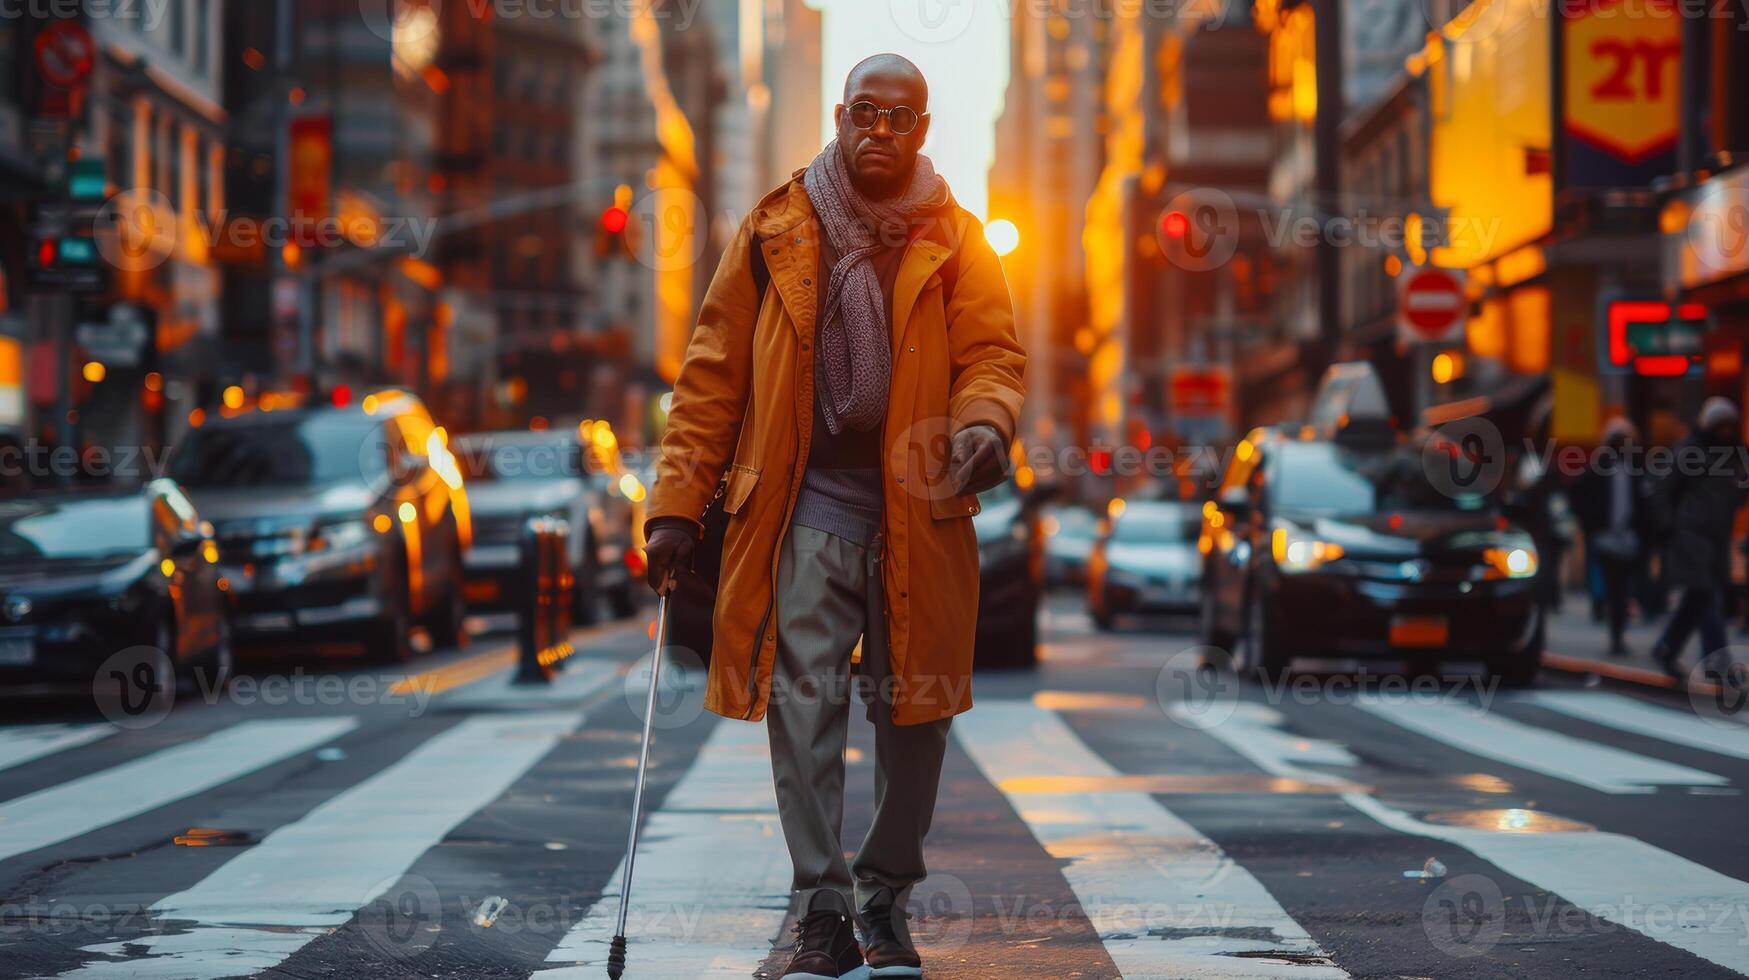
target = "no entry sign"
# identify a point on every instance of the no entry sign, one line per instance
(1430, 305)
(65, 54)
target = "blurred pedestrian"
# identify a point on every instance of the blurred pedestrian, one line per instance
(838, 533)
(1699, 499)
(1612, 514)
(1533, 503)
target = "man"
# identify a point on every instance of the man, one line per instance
(1607, 499)
(854, 380)
(1700, 500)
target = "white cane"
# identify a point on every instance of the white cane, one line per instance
(616, 957)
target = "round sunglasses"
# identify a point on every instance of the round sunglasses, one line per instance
(902, 118)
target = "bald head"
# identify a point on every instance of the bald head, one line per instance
(885, 71)
(880, 159)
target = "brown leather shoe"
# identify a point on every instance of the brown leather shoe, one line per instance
(825, 948)
(887, 954)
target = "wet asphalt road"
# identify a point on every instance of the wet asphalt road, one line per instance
(1119, 811)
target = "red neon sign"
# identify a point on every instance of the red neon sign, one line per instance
(1624, 354)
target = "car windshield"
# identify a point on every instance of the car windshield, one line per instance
(487, 458)
(290, 450)
(66, 528)
(1155, 523)
(1326, 479)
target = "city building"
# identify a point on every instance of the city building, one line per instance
(133, 361)
(1045, 169)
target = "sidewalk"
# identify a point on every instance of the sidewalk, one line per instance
(1577, 645)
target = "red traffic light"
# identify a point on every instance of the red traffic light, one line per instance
(613, 220)
(1174, 224)
(47, 251)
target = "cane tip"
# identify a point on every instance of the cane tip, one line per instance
(616, 958)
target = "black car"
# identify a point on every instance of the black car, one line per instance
(1340, 547)
(86, 575)
(515, 476)
(1010, 578)
(337, 524)
(1145, 561)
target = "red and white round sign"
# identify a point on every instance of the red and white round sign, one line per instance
(1430, 304)
(65, 54)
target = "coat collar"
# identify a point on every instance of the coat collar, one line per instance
(788, 231)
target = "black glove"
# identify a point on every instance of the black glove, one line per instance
(980, 460)
(668, 553)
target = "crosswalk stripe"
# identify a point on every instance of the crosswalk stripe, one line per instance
(1165, 900)
(313, 875)
(68, 810)
(1600, 767)
(1611, 876)
(1636, 717)
(31, 742)
(713, 877)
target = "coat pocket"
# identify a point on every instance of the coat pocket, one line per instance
(742, 479)
(949, 505)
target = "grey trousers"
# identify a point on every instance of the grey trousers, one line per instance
(829, 596)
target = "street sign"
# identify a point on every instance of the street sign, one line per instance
(1199, 391)
(119, 342)
(310, 182)
(65, 54)
(64, 256)
(89, 180)
(1653, 338)
(1431, 305)
(1621, 79)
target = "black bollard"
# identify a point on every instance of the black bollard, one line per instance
(533, 625)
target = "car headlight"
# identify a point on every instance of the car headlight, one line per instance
(1502, 563)
(340, 536)
(1296, 551)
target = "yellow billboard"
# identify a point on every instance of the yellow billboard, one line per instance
(1488, 82)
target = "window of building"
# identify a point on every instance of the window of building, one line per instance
(173, 153)
(201, 47)
(176, 26)
(121, 146)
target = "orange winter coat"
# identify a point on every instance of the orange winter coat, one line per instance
(743, 404)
